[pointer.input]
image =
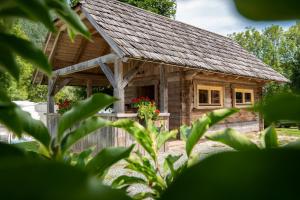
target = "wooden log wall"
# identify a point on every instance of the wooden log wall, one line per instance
(181, 95)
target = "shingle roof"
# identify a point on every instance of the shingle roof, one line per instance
(145, 35)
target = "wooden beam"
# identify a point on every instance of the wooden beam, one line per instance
(129, 76)
(48, 41)
(62, 84)
(52, 53)
(108, 73)
(104, 35)
(81, 49)
(163, 88)
(87, 76)
(110, 58)
(119, 92)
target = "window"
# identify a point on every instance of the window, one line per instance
(244, 97)
(208, 97)
(146, 91)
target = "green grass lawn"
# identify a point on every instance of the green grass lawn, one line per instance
(294, 131)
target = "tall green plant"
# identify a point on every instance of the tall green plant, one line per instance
(157, 178)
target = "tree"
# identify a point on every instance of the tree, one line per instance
(162, 7)
(166, 8)
(276, 47)
(295, 77)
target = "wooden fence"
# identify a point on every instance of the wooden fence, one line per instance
(109, 136)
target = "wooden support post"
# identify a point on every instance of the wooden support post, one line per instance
(163, 88)
(119, 106)
(89, 88)
(50, 99)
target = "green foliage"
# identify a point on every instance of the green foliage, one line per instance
(38, 178)
(248, 175)
(106, 158)
(152, 139)
(199, 127)
(15, 45)
(166, 8)
(283, 106)
(82, 110)
(270, 138)
(276, 108)
(269, 10)
(23, 48)
(20, 122)
(146, 108)
(295, 77)
(162, 7)
(233, 139)
(276, 47)
(86, 127)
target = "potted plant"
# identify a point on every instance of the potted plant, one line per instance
(64, 105)
(146, 108)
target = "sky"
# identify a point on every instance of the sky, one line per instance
(219, 16)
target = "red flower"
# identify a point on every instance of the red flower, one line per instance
(157, 112)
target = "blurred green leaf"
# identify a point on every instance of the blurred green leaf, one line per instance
(26, 50)
(144, 195)
(87, 127)
(269, 9)
(82, 158)
(83, 110)
(219, 115)
(143, 165)
(270, 138)
(34, 128)
(293, 145)
(7, 150)
(35, 10)
(185, 132)
(69, 16)
(31, 146)
(163, 137)
(233, 139)
(10, 118)
(125, 181)
(19, 121)
(198, 129)
(13, 12)
(247, 175)
(4, 99)
(8, 62)
(140, 134)
(169, 163)
(45, 180)
(280, 107)
(202, 125)
(106, 158)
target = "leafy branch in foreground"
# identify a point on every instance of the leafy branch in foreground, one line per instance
(38, 178)
(157, 178)
(58, 148)
(275, 108)
(37, 11)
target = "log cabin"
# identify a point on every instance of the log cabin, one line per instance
(188, 71)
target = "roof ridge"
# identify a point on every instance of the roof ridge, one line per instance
(167, 18)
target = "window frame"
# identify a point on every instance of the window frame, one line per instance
(209, 89)
(243, 91)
